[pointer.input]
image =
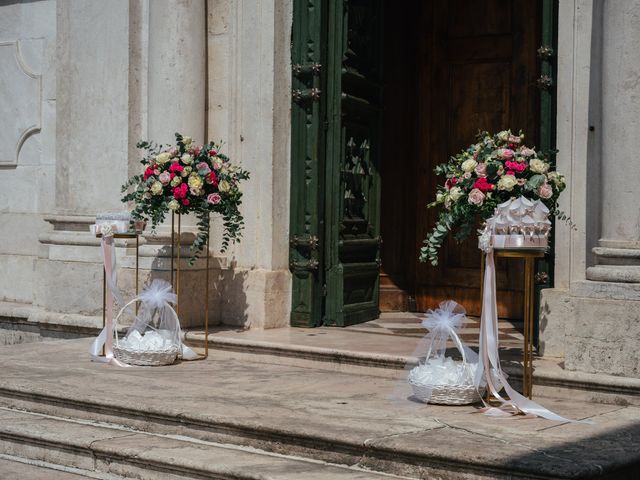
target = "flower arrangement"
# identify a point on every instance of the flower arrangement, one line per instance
(489, 172)
(187, 178)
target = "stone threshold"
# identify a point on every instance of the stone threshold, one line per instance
(386, 356)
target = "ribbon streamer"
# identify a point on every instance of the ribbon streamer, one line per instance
(489, 360)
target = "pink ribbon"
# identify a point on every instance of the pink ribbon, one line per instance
(105, 338)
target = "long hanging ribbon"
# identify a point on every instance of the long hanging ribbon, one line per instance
(489, 361)
(105, 338)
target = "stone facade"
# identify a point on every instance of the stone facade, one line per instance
(83, 83)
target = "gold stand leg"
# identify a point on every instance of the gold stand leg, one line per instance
(206, 295)
(527, 376)
(104, 303)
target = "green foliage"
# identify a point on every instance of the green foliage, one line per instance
(204, 166)
(476, 184)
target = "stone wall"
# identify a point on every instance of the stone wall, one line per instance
(592, 317)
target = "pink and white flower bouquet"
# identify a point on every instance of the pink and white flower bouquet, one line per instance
(491, 171)
(186, 178)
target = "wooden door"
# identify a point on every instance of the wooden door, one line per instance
(478, 71)
(335, 158)
(352, 246)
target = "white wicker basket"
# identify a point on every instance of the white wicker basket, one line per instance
(147, 358)
(447, 394)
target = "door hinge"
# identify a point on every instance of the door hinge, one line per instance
(310, 266)
(308, 95)
(545, 82)
(310, 242)
(306, 69)
(324, 290)
(545, 52)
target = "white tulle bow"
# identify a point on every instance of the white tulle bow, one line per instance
(157, 294)
(448, 316)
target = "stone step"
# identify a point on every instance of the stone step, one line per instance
(113, 452)
(310, 348)
(16, 468)
(314, 414)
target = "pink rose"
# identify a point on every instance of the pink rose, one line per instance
(214, 198)
(203, 168)
(476, 197)
(173, 152)
(514, 139)
(165, 177)
(545, 191)
(506, 153)
(481, 169)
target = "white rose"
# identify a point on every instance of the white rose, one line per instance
(504, 135)
(538, 166)
(187, 141)
(507, 183)
(186, 159)
(163, 158)
(174, 205)
(156, 188)
(195, 181)
(469, 165)
(439, 197)
(455, 193)
(176, 181)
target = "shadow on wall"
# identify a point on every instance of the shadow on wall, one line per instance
(226, 290)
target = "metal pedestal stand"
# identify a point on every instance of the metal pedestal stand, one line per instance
(175, 277)
(529, 257)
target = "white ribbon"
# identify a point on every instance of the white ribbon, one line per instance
(489, 359)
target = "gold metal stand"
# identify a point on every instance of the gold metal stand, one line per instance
(175, 277)
(104, 276)
(529, 257)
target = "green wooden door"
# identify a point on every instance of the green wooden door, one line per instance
(546, 84)
(335, 232)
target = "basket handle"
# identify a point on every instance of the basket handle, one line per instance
(115, 321)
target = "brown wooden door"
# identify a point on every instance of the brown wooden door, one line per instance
(452, 67)
(477, 70)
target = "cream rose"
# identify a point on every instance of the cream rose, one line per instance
(163, 158)
(156, 188)
(503, 135)
(173, 205)
(186, 171)
(176, 181)
(187, 159)
(455, 193)
(538, 166)
(195, 181)
(469, 165)
(187, 141)
(476, 197)
(439, 197)
(507, 182)
(224, 186)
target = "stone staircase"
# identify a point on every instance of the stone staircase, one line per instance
(234, 416)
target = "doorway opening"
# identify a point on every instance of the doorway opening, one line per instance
(451, 68)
